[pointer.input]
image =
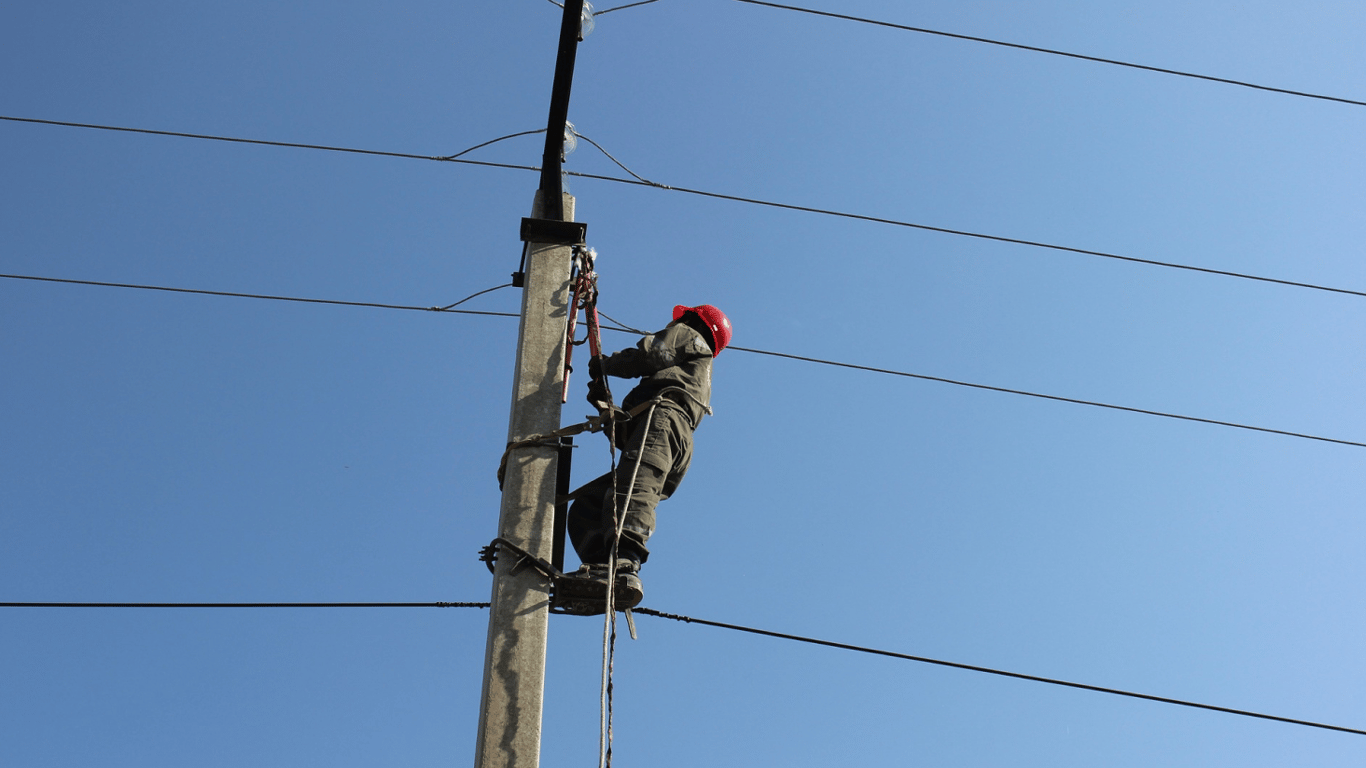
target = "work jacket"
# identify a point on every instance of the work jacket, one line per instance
(676, 358)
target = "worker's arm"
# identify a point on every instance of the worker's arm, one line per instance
(678, 343)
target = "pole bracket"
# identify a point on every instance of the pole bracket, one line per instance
(552, 232)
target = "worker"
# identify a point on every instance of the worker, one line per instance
(674, 365)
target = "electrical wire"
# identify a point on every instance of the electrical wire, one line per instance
(801, 358)
(1002, 673)
(1006, 390)
(961, 233)
(244, 605)
(1052, 52)
(370, 304)
(263, 142)
(739, 628)
(624, 326)
(638, 181)
(637, 176)
(1057, 398)
(977, 235)
(491, 141)
(624, 7)
(449, 307)
(557, 3)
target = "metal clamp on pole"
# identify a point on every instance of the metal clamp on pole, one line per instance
(551, 232)
(547, 232)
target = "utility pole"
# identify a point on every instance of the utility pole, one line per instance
(514, 659)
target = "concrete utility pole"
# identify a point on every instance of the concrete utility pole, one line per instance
(514, 659)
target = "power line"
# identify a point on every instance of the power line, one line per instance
(1052, 52)
(1057, 398)
(609, 10)
(1003, 673)
(966, 233)
(609, 156)
(244, 605)
(638, 181)
(624, 7)
(738, 628)
(491, 141)
(263, 142)
(626, 329)
(448, 309)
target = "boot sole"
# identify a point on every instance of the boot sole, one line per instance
(582, 597)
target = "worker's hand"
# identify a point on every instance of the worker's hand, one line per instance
(598, 394)
(595, 367)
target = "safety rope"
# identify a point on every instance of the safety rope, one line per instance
(619, 509)
(610, 620)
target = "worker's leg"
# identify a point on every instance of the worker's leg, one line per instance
(591, 529)
(664, 452)
(590, 520)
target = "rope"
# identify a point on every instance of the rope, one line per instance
(610, 622)
(609, 649)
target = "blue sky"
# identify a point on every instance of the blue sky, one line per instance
(190, 448)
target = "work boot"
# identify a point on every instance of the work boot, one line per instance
(628, 592)
(584, 592)
(589, 579)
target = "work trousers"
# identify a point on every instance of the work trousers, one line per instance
(663, 449)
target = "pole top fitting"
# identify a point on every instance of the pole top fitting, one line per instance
(551, 232)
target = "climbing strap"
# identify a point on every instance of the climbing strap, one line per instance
(593, 424)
